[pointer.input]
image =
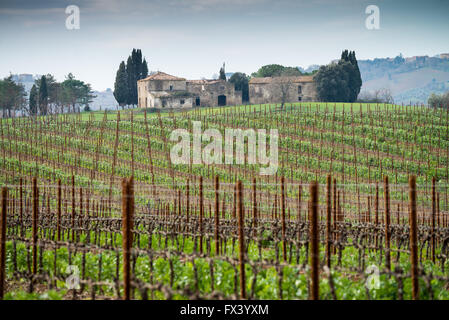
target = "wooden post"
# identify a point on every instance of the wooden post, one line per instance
(413, 238)
(59, 211)
(387, 224)
(433, 244)
(217, 217)
(3, 215)
(255, 207)
(127, 237)
(284, 244)
(299, 202)
(201, 214)
(188, 202)
(328, 220)
(21, 206)
(241, 240)
(73, 208)
(335, 217)
(314, 238)
(34, 223)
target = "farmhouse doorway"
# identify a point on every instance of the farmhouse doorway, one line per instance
(221, 100)
(197, 102)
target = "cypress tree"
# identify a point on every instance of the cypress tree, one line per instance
(144, 69)
(131, 75)
(222, 75)
(137, 60)
(33, 100)
(344, 55)
(121, 85)
(357, 78)
(43, 96)
(136, 69)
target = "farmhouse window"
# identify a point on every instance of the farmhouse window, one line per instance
(299, 90)
(299, 98)
(182, 101)
(171, 87)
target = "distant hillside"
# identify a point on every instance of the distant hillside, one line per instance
(409, 79)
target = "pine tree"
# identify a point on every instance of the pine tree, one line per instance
(43, 96)
(33, 100)
(121, 85)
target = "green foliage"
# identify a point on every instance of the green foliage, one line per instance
(274, 70)
(339, 82)
(121, 85)
(43, 96)
(222, 74)
(136, 69)
(33, 100)
(439, 101)
(240, 81)
(12, 96)
(76, 93)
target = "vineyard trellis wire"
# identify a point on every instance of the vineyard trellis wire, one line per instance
(185, 240)
(166, 225)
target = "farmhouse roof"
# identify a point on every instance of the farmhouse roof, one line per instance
(162, 76)
(271, 79)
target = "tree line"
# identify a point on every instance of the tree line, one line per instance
(47, 96)
(125, 86)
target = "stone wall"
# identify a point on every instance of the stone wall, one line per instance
(206, 93)
(272, 92)
(166, 85)
(168, 102)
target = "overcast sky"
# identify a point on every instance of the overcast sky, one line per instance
(192, 38)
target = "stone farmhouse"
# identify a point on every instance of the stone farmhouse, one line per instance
(282, 89)
(161, 90)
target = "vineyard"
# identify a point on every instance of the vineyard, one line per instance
(92, 207)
